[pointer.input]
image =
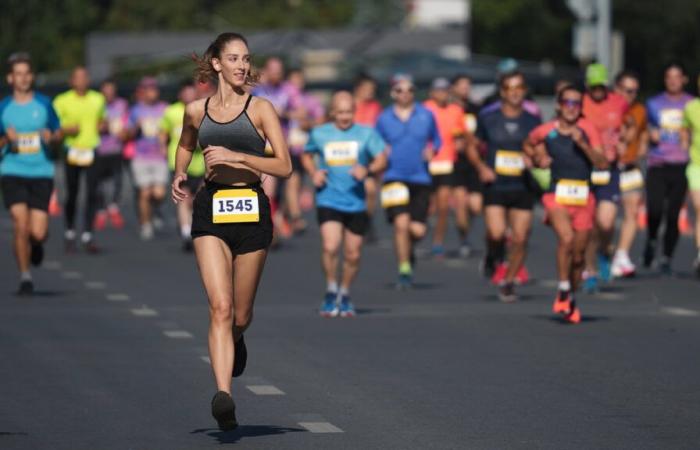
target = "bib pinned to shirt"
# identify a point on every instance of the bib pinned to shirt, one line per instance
(571, 192)
(395, 194)
(235, 206)
(509, 163)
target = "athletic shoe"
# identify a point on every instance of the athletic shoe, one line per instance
(437, 251)
(158, 223)
(604, 267)
(575, 315)
(224, 411)
(241, 358)
(115, 218)
(405, 281)
(347, 309)
(523, 276)
(187, 245)
(590, 284)
(26, 288)
(506, 293)
(622, 268)
(89, 243)
(37, 253)
(329, 307)
(465, 250)
(696, 267)
(665, 267)
(684, 225)
(499, 274)
(146, 232)
(562, 303)
(649, 253)
(100, 221)
(54, 206)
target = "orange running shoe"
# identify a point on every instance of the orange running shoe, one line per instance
(562, 303)
(100, 221)
(642, 217)
(523, 276)
(684, 225)
(115, 218)
(54, 206)
(574, 316)
(499, 274)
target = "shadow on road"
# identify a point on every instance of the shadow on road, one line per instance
(560, 320)
(43, 293)
(244, 431)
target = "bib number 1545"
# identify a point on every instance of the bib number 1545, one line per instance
(235, 206)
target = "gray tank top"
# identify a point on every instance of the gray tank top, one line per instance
(238, 134)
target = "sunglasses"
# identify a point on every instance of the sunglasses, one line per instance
(570, 103)
(403, 91)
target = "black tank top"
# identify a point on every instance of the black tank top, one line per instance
(238, 134)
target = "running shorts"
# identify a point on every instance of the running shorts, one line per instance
(692, 172)
(520, 199)
(466, 176)
(243, 236)
(149, 173)
(631, 180)
(416, 205)
(35, 192)
(581, 216)
(355, 222)
(610, 191)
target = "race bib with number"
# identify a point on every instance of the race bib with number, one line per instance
(80, 156)
(671, 119)
(235, 206)
(395, 194)
(116, 125)
(28, 143)
(440, 167)
(341, 153)
(149, 127)
(600, 177)
(509, 163)
(631, 180)
(571, 192)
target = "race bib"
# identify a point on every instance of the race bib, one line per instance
(298, 137)
(28, 143)
(116, 125)
(341, 153)
(600, 177)
(631, 180)
(149, 127)
(235, 206)
(509, 163)
(671, 119)
(395, 194)
(470, 122)
(571, 192)
(80, 156)
(440, 167)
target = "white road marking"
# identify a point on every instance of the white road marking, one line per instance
(320, 427)
(455, 263)
(118, 297)
(610, 296)
(95, 285)
(178, 334)
(205, 359)
(264, 389)
(72, 275)
(675, 311)
(52, 265)
(144, 311)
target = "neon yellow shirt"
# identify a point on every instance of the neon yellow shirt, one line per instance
(691, 120)
(171, 123)
(86, 111)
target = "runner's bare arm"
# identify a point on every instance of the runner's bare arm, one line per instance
(378, 164)
(187, 144)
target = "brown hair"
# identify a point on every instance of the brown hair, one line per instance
(205, 70)
(19, 58)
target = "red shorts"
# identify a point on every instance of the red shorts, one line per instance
(582, 217)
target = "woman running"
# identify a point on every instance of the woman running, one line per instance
(231, 223)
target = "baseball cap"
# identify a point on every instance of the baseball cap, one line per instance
(440, 83)
(596, 75)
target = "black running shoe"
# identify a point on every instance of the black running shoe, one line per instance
(649, 253)
(224, 411)
(37, 253)
(241, 358)
(187, 245)
(26, 288)
(90, 247)
(506, 293)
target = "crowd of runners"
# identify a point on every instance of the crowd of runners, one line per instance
(243, 154)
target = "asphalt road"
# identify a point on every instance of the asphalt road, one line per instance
(111, 354)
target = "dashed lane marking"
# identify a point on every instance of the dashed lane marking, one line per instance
(95, 285)
(178, 334)
(320, 427)
(118, 297)
(144, 311)
(69, 275)
(264, 389)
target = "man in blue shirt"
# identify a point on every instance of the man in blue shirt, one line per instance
(412, 134)
(339, 156)
(28, 128)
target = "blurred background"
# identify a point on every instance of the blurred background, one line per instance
(332, 41)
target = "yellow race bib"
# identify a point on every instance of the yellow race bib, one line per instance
(440, 167)
(341, 153)
(631, 180)
(395, 194)
(600, 177)
(509, 163)
(571, 192)
(671, 119)
(28, 143)
(82, 157)
(235, 206)
(149, 127)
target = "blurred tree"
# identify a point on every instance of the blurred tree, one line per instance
(254, 14)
